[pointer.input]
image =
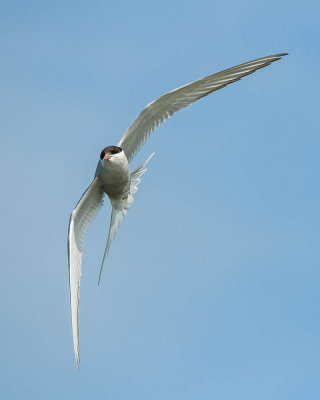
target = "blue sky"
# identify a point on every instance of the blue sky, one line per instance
(211, 289)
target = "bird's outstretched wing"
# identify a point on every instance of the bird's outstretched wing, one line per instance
(80, 220)
(165, 106)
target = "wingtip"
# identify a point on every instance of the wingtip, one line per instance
(100, 273)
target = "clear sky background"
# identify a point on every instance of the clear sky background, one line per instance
(211, 289)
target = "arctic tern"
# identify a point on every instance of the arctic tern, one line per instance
(114, 178)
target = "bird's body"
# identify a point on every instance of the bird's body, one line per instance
(114, 178)
(113, 171)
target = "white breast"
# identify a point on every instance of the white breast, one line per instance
(114, 175)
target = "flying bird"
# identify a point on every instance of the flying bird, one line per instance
(114, 178)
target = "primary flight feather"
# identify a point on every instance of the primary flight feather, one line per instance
(114, 179)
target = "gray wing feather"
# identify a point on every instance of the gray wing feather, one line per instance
(80, 220)
(165, 106)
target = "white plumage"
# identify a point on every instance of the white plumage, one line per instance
(113, 175)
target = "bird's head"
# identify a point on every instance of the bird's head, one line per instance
(112, 153)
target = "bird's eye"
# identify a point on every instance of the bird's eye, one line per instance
(114, 151)
(102, 155)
